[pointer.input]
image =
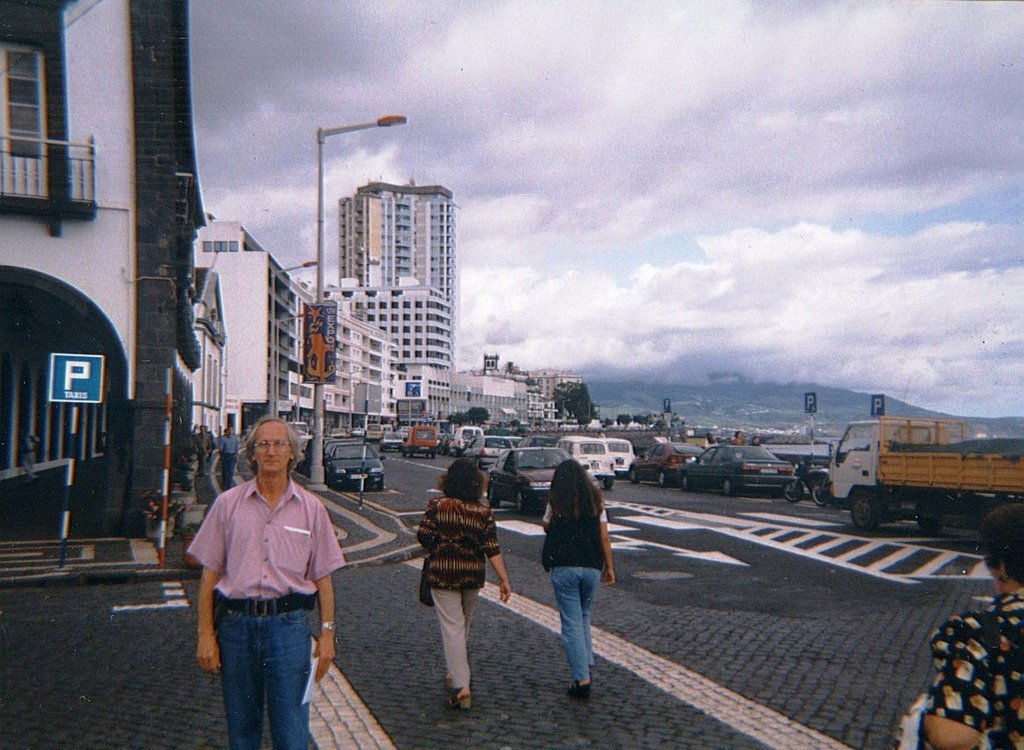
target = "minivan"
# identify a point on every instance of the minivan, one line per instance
(592, 453)
(462, 436)
(422, 438)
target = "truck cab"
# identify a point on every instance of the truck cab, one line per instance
(855, 461)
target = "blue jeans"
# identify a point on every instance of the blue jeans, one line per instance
(265, 658)
(574, 592)
(227, 470)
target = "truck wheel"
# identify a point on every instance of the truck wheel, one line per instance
(864, 510)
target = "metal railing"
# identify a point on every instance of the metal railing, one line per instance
(25, 168)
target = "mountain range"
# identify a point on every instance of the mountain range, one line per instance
(733, 402)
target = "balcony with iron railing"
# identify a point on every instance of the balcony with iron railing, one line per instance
(47, 177)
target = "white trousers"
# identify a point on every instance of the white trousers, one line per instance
(454, 613)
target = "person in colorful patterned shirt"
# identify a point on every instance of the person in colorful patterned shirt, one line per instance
(975, 700)
(459, 533)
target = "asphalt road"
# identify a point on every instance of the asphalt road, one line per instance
(735, 623)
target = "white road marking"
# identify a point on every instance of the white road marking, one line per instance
(622, 543)
(760, 723)
(522, 527)
(174, 598)
(794, 520)
(664, 523)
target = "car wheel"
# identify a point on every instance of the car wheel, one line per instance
(521, 502)
(662, 479)
(684, 483)
(634, 478)
(609, 482)
(727, 487)
(432, 455)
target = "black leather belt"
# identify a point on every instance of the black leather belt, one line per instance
(268, 607)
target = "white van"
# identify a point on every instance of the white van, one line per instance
(462, 436)
(622, 451)
(592, 453)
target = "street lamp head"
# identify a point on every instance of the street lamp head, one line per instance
(388, 120)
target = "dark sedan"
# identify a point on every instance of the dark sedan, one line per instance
(735, 468)
(522, 476)
(346, 464)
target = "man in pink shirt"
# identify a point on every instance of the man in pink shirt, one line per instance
(268, 549)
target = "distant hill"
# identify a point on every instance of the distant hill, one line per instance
(733, 402)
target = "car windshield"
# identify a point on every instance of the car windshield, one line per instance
(541, 459)
(496, 443)
(392, 436)
(423, 434)
(753, 453)
(353, 451)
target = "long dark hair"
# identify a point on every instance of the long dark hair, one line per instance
(463, 480)
(573, 495)
(1002, 538)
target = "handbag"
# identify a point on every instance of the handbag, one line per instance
(425, 596)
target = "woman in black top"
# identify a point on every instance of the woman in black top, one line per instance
(577, 552)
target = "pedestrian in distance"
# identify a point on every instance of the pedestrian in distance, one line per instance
(208, 447)
(29, 446)
(267, 549)
(738, 438)
(459, 534)
(227, 444)
(976, 695)
(578, 553)
(199, 448)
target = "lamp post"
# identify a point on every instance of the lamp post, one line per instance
(316, 467)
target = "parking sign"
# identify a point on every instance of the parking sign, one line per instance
(811, 403)
(878, 405)
(76, 378)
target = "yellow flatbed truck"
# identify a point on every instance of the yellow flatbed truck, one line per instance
(899, 468)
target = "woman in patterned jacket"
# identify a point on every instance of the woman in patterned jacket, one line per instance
(976, 698)
(458, 532)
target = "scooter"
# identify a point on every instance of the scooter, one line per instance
(809, 481)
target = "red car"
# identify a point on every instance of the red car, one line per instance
(660, 463)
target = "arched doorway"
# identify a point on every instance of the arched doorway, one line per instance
(41, 315)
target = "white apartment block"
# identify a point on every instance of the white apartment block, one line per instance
(365, 361)
(262, 313)
(208, 379)
(506, 399)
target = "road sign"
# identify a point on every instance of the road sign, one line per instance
(666, 405)
(811, 403)
(76, 378)
(878, 405)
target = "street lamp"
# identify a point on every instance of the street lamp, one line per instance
(316, 467)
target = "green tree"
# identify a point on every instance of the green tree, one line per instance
(623, 419)
(458, 418)
(477, 415)
(574, 400)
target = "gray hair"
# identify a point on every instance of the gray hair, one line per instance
(293, 441)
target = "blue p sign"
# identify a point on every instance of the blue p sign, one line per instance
(77, 378)
(811, 403)
(878, 405)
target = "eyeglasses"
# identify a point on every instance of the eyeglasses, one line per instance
(265, 445)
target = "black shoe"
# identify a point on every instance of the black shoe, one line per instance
(576, 690)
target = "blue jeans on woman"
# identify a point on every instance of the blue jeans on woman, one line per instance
(265, 658)
(574, 592)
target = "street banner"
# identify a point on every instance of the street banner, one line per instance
(319, 336)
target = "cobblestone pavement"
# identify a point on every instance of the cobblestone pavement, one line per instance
(111, 665)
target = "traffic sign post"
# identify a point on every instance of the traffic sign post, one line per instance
(811, 407)
(76, 379)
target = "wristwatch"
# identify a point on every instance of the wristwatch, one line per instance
(327, 626)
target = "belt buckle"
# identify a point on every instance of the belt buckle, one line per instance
(264, 607)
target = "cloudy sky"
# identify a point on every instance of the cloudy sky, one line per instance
(815, 192)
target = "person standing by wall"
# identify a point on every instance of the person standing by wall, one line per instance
(199, 448)
(227, 444)
(29, 446)
(267, 548)
(578, 553)
(459, 533)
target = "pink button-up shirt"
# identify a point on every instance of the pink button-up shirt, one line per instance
(262, 553)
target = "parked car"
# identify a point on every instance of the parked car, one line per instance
(374, 432)
(522, 476)
(592, 453)
(660, 463)
(735, 468)
(538, 441)
(462, 436)
(346, 464)
(422, 439)
(391, 441)
(622, 452)
(485, 448)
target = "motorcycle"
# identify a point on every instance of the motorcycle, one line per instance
(809, 482)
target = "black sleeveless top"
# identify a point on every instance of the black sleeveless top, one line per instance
(573, 543)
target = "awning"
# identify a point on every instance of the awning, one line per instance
(509, 412)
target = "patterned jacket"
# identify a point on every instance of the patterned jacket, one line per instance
(459, 535)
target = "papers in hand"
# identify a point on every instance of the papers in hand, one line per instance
(311, 682)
